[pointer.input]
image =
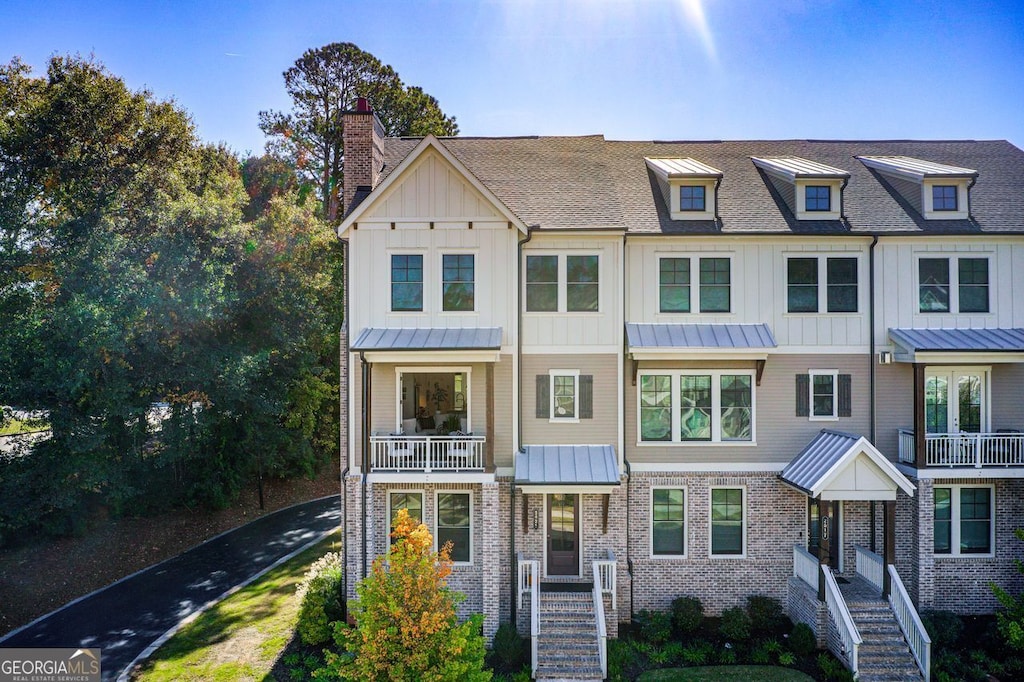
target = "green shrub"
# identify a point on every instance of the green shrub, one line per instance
(623, 660)
(509, 650)
(787, 658)
(698, 653)
(832, 669)
(765, 613)
(802, 640)
(321, 601)
(760, 655)
(655, 626)
(735, 625)
(944, 627)
(687, 615)
(726, 656)
(672, 652)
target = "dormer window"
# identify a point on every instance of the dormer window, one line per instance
(811, 190)
(688, 187)
(935, 190)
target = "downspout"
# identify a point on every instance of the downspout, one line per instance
(514, 573)
(348, 406)
(718, 182)
(629, 559)
(969, 186)
(871, 363)
(842, 202)
(515, 561)
(625, 462)
(366, 447)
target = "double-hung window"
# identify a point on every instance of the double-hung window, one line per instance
(804, 293)
(564, 394)
(824, 390)
(964, 520)
(542, 283)
(454, 524)
(563, 283)
(458, 283)
(727, 522)
(696, 406)
(675, 284)
(943, 289)
(412, 502)
(406, 282)
(715, 281)
(668, 522)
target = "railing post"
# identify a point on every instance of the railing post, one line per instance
(889, 546)
(977, 451)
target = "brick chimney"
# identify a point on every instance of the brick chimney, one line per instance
(364, 153)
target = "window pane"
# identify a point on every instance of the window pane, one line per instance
(802, 285)
(668, 522)
(458, 282)
(726, 521)
(736, 407)
(581, 287)
(656, 407)
(691, 198)
(407, 282)
(542, 283)
(975, 520)
(842, 285)
(973, 274)
(944, 197)
(823, 388)
(413, 502)
(936, 405)
(714, 285)
(453, 524)
(818, 198)
(674, 285)
(565, 397)
(933, 275)
(943, 521)
(695, 407)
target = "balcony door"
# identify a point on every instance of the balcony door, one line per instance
(955, 401)
(563, 535)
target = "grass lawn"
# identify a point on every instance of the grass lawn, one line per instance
(14, 426)
(241, 637)
(729, 673)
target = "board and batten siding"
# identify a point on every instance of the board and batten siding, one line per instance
(758, 288)
(602, 429)
(897, 286)
(780, 434)
(578, 329)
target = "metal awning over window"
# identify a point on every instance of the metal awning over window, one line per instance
(842, 466)
(401, 344)
(709, 341)
(958, 345)
(567, 468)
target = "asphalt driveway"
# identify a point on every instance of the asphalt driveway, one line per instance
(124, 618)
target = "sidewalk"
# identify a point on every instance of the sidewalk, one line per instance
(124, 618)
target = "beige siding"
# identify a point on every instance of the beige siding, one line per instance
(503, 423)
(780, 434)
(601, 430)
(894, 396)
(1008, 397)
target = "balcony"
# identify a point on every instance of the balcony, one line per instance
(427, 453)
(977, 450)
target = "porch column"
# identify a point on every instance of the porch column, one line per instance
(489, 419)
(491, 558)
(824, 542)
(920, 456)
(890, 546)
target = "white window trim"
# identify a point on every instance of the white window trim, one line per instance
(675, 202)
(390, 515)
(835, 191)
(743, 536)
(695, 285)
(426, 275)
(437, 518)
(822, 286)
(440, 281)
(716, 408)
(552, 417)
(950, 372)
(439, 369)
(952, 262)
(927, 204)
(834, 373)
(954, 539)
(686, 524)
(563, 282)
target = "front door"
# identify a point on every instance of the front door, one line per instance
(563, 535)
(831, 527)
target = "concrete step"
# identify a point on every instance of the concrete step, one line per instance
(883, 647)
(572, 672)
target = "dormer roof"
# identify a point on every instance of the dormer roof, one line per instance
(673, 169)
(915, 170)
(793, 168)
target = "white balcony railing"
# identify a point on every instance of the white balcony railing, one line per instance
(805, 566)
(529, 583)
(965, 449)
(910, 623)
(604, 572)
(870, 566)
(427, 453)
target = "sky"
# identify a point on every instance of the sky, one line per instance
(631, 70)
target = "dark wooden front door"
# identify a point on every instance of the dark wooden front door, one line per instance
(831, 527)
(563, 535)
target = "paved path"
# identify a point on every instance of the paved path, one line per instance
(127, 616)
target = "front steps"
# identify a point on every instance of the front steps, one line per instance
(567, 646)
(884, 655)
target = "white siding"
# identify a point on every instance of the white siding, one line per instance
(432, 187)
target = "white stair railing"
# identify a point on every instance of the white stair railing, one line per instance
(527, 576)
(910, 623)
(805, 566)
(849, 638)
(602, 633)
(605, 570)
(869, 566)
(529, 583)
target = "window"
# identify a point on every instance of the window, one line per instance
(454, 513)
(727, 522)
(944, 197)
(817, 198)
(406, 283)
(823, 394)
(696, 406)
(581, 285)
(457, 284)
(839, 295)
(674, 285)
(963, 520)
(564, 389)
(691, 198)
(967, 291)
(410, 501)
(668, 522)
(542, 283)
(714, 285)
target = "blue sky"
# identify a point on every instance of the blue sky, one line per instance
(647, 69)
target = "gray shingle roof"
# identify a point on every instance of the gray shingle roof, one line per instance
(962, 340)
(567, 465)
(699, 336)
(392, 338)
(590, 182)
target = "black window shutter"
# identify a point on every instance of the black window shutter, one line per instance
(803, 395)
(543, 397)
(586, 396)
(845, 395)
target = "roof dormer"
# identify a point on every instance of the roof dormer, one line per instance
(813, 191)
(937, 191)
(689, 187)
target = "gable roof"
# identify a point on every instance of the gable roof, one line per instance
(842, 466)
(588, 182)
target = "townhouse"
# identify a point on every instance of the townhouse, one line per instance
(650, 369)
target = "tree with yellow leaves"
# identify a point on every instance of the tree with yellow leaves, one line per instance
(406, 627)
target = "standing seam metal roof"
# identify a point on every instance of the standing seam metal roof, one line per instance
(979, 340)
(699, 336)
(794, 167)
(817, 459)
(409, 339)
(567, 465)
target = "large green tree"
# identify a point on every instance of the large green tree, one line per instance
(324, 83)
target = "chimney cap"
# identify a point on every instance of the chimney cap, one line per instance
(362, 105)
